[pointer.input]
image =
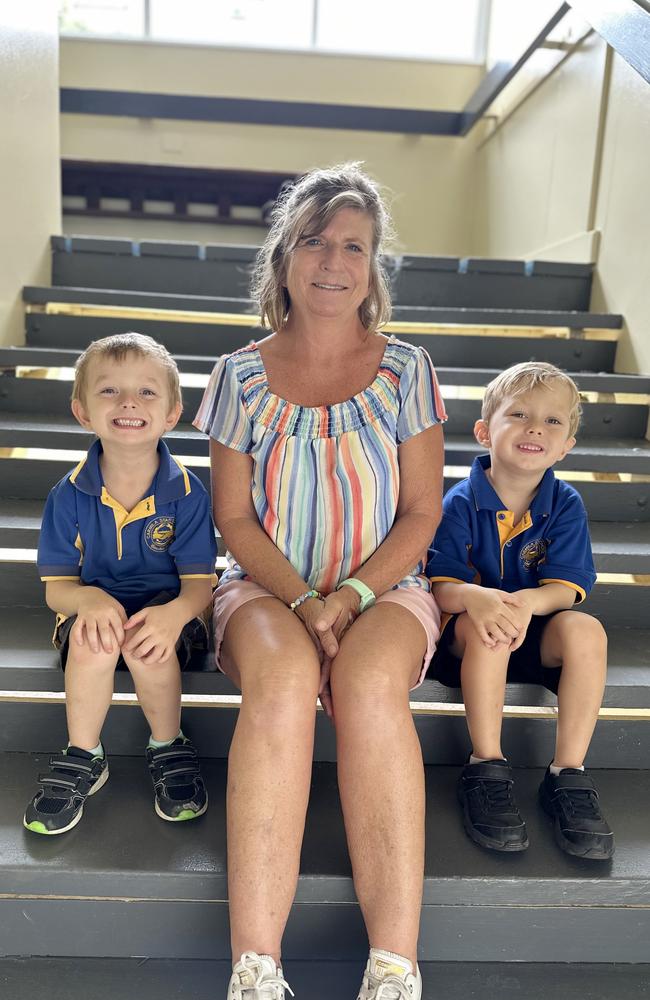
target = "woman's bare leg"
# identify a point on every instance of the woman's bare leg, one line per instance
(381, 775)
(269, 655)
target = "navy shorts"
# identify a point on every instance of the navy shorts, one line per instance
(525, 666)
(193, 637)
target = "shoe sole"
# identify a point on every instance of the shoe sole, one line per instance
(184, 816)
(590, 854)
(505, 847)
(37, 827)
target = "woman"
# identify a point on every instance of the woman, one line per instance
(326, 452)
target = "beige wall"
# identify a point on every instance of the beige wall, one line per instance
(430, 177)
(623, 216)
(563, 175)
(29, 161)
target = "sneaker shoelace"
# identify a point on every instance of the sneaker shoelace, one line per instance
(580, 802)
(498, 795)
(390, 988)
(265, 987)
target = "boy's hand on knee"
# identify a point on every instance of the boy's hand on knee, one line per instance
(523, 613)
(152, 633)
(100, 621)
(496, 615)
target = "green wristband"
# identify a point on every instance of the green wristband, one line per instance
(365, 593)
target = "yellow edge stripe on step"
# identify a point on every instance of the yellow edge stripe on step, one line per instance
(251, 321)
(197, 380)
(616, 579)
(188, 380)
(29, 556)
(72, 455)
(417, 707)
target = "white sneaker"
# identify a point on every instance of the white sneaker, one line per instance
(256, 977)
(390, 977)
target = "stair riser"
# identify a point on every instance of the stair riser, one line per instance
(76, 333)
(32, 480)
(411, 285)
(20, 537)
(185, 440)
(199, 930)
(604, 420)
(39, 728)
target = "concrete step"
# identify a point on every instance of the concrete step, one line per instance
(605, 414)
(32, 714)
(106, 891)
(189, 268)
(488, 346)
(34, 295)
(607, 382)
(618, 547)
(61, 431)
(29, 473)
(154, 979)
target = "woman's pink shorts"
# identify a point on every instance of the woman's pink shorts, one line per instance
(232, 595)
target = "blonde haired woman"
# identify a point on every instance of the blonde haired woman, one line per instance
(326, 451)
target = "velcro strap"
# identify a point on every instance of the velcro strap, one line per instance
(489, 772)
(75, 764)
(56, 781)
(571, 782)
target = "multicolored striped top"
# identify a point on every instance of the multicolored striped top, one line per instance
(325, 478)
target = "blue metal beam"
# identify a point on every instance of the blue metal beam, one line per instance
(252, 112)
(501, 74)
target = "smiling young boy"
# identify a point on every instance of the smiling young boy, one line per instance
(127, 553)
(510, 559)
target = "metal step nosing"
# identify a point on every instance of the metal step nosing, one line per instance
(426, 708)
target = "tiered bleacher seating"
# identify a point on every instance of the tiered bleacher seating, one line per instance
(123, 884)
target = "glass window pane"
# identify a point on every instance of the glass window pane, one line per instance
(437, 29)
(272, 23)
(102, 17)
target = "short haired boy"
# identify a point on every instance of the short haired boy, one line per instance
(510, 559)
(127, 552)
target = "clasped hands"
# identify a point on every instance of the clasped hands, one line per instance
(500, 618)
(149, 635)
(327, 622)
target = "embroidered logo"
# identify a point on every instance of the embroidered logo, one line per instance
(159, 533)
(533, 553)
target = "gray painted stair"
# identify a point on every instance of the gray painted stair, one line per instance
(162, 893)
(102, 891)
(76, 332)
(160, 979)
(417, 280)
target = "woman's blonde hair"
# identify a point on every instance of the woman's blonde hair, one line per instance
(116, 347)
(529, 375)
(306, 208)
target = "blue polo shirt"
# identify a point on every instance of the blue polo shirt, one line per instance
(477, 540)
(132, 555)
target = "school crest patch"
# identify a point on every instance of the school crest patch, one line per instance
(533, 553)
(159, 533)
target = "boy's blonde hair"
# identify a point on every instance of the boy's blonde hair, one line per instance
(518, 379)
(116, 348)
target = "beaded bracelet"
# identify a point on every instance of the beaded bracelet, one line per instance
(305, 597)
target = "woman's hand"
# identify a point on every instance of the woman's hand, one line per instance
(327, 621)
(337, 612)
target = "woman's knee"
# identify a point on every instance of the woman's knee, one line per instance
(283, 691)
(373, 685)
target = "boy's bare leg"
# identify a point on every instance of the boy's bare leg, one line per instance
(88, 693)
(483, 680)
(578, 643)
(158, 687)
